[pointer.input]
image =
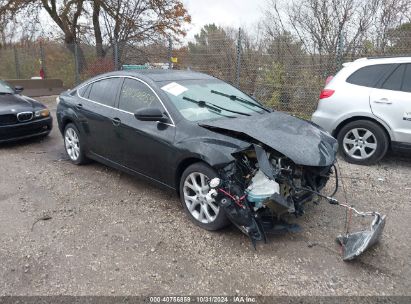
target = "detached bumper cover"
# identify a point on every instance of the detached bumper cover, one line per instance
(25, 130)
(354, 244)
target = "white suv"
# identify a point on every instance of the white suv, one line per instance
(367, 107)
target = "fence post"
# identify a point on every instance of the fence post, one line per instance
(76, 64)
(17, 63)
(170, 53)
(340, 47)
(43, 60)
(116, 59)
(238, 67)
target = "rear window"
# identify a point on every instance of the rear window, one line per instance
(394, 81)
(104, 91)
(84, 91)
(406, 85)
(369, 75)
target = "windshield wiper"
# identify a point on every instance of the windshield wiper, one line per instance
(242, 100)
(212, 106)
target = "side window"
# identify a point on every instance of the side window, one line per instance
(394, 81)
(85, 91)
(136, 95)
(369, 75)
(104, 91)
(406, 84)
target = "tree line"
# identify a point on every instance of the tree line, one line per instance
(284, 59)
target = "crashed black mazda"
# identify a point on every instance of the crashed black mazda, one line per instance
(21, 117)
(230, 158)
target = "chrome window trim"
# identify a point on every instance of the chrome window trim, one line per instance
(118, 109)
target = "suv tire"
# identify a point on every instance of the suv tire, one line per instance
(362, 142)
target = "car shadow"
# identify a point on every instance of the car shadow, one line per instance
(24, 142)
(397, 157)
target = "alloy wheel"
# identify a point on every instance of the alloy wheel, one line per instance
(360, 143)
(195, 188)
(72, 144)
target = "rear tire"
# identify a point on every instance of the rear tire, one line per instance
(73, 145)
(362, 142)
(193, 188)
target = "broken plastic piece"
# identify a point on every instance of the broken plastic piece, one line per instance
(356, 243)
(244, 220)
(211, 195)
(263, 161)
(282, 203)
(279, 226)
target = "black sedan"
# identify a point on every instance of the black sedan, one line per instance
(228, 157)
(21, 117)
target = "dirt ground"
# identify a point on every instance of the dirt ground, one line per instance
(113, 234)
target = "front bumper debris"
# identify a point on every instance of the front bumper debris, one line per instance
(257, 189)
(355, 243)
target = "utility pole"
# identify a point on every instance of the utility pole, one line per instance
(17, 63)
(77, 64)
(170, 53)
(238, 69)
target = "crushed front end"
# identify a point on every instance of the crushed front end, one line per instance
(287, 164)
(261, 186)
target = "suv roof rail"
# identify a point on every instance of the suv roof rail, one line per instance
(361, 59)
(386, 56)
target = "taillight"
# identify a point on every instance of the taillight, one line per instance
(326, 93)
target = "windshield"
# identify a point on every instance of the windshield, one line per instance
(5, 88)
(196, 101)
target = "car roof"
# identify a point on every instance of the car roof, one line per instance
(162, 75)
(378, 60)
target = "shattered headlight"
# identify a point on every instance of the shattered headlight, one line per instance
(42, 113)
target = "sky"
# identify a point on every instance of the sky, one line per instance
(233, 13)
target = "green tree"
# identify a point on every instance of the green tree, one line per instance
(399, 39)
(214, 51)
(281, 71)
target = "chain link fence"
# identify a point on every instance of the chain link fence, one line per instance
(282, 76)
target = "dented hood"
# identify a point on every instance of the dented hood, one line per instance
(300, 140)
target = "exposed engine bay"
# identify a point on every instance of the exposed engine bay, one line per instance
(260, 188)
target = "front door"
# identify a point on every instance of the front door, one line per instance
(145, 146)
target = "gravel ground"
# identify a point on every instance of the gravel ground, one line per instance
(113, 234)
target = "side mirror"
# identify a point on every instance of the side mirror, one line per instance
(150, 114)
(18, 89)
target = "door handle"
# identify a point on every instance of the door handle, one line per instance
(116, 121)
(79, 106)
(383, 101)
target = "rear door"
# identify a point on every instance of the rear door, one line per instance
(391, 102)
(99, 111)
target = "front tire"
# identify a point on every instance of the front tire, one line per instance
(362, 142)
(73, 145)
(194, 186)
